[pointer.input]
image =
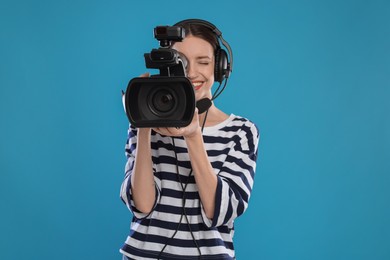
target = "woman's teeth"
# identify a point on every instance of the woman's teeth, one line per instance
(197, 85)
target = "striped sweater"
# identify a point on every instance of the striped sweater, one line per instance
(232, 150)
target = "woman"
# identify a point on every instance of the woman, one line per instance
(185, 186)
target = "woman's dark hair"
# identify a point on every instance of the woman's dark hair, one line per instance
(201, 31)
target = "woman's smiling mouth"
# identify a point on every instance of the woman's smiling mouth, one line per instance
(197, 84)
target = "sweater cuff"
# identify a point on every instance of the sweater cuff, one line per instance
(217, 209)
(136, 213)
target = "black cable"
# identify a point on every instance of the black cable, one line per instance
(181, 217)
(184, 197)
(184, 213)
(216, 93)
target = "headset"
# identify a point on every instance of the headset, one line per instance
(223, 61)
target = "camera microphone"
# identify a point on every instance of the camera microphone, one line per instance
(203, 105)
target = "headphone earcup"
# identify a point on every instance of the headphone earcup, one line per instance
(221, 70)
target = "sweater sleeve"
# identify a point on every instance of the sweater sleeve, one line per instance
(235, 178)
(125, 192)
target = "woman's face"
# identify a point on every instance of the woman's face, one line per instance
(200, 67)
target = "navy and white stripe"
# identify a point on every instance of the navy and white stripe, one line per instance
(232, 150)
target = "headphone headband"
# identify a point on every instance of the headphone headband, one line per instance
(201, 22)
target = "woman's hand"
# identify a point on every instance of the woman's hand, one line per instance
(189, 131)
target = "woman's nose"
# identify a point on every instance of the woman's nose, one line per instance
(191, 72)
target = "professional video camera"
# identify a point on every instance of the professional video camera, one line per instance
(166, 99)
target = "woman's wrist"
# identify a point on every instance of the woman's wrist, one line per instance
(144, 131)
(193, 135)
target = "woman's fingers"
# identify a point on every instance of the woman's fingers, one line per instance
(145, 75)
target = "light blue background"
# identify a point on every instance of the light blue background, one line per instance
(314, 76)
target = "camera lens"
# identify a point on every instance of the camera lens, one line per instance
(162, 102)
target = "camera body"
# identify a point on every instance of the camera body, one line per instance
(166, 99)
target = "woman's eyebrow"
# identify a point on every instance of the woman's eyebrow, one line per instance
(203, 57)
